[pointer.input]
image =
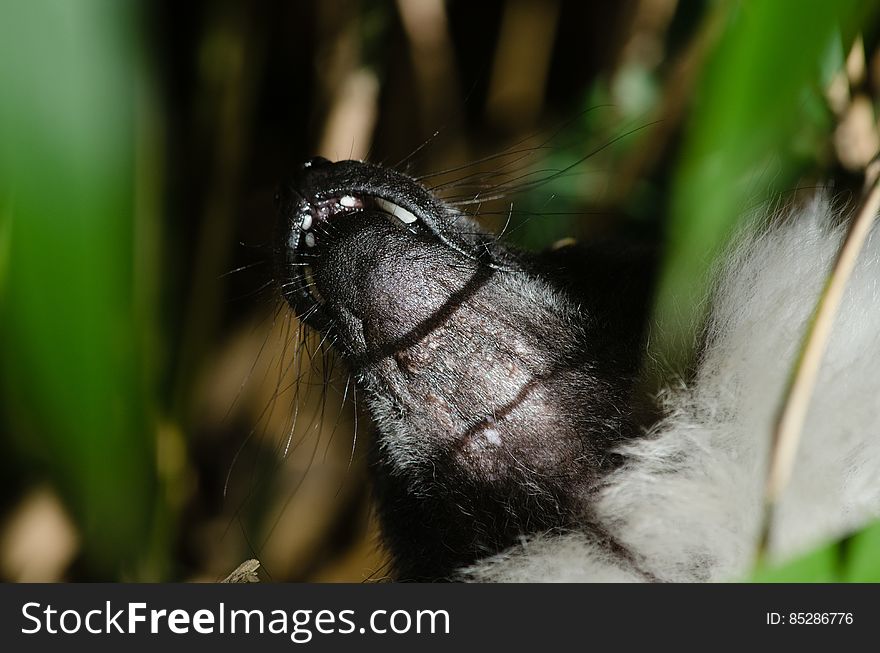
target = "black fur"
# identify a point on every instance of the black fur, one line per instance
(499, 381)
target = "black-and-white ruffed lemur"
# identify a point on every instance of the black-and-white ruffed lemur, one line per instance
(502, 387)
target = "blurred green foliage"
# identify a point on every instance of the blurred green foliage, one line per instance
(855, 559)
(754, 106)
(72, 314)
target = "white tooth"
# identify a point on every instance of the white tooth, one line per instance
(347, 201)
(310, 240)
(397, 211)
(306, 222)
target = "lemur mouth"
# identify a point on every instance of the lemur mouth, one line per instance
(314, 231)
(324, 196)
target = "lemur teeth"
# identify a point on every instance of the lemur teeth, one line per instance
(397, 211)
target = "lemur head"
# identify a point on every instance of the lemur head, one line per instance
(482, 367)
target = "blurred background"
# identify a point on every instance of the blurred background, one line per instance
(162, 416)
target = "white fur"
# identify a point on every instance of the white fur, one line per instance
(689, 503)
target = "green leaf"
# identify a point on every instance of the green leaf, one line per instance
(855, 559)
(863, 556)
(71, 356)
(819, 566)
(749, 109)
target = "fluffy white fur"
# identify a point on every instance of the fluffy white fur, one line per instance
(688, 505)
